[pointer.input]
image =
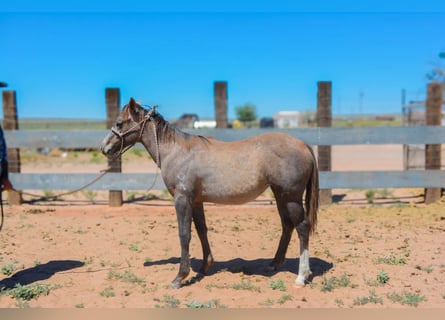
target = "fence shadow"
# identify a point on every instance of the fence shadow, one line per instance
(249, 267)
(38, 273)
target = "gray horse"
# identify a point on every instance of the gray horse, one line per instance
(198, 169)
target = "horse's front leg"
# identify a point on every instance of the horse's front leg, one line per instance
(201, 228)
(184, 214)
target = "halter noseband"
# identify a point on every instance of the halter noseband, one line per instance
(138, 127)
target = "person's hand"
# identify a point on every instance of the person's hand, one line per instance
(7, 185)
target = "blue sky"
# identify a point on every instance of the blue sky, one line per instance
(60, 56)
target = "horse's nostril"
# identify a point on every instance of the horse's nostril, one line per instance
(105, 150)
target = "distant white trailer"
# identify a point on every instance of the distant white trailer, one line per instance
(201, 124)
(286, 119)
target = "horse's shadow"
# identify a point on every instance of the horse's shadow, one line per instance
(40, 272)
(249, 267)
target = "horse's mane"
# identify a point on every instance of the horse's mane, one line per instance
(169, 133)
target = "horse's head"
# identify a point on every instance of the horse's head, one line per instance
(127, 130)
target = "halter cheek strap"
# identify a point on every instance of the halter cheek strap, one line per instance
(140, 126)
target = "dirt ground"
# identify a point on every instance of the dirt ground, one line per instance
(379, 250)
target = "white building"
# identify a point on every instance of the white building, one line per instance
(286, 119)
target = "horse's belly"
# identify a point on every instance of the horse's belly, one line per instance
(232, 193)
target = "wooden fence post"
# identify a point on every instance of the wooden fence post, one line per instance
(220, 97)
(10, 122)
(112, 100)
(433, 151)
(324, 119)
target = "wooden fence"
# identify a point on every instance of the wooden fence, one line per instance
(313, 136)
(432, 135)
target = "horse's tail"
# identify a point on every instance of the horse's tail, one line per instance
(312, 194)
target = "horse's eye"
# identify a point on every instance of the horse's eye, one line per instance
(119, 123)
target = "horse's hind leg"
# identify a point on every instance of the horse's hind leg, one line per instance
(287, 227)
(304, 271)
(201, 228)
(292, 216)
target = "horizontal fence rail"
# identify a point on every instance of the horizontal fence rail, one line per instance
(313, 136)
(143, 181)
(77, 139)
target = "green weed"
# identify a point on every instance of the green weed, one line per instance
(284, 298)
(168, 302)
(277, 285)
(8, 269)
(370, 196)
(406, 298)
(108, 292)
(246, 285)
(205, 305)
(392, 260)
(28, 292)
(372, 298)
(127, 276)
(382, 277)
(330, 284)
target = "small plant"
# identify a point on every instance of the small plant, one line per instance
(284, 298)
(95, 157)
(385, 193)
(134, 247)
(204, 305)
(382, 277)
(406, 298)
(246, 285)
(28, 292)
(277, 285)
(48, 193)
(127, 276)
(137, 152)
(268, 302)
(90, 195)
(339, 302)
(392, 260)
(108, 292)
(169, 302)
(131, 196)
(8, 269)
(370, 196)
(372, 298)
(332, 283)
(150, 196)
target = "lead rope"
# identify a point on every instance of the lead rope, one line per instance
(103, 172)
(3, 214)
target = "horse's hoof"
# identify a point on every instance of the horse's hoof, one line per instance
(300, 282)
(176, 284)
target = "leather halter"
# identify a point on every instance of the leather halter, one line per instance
(138, 127)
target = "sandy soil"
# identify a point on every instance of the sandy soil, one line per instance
(81, 253)
(97, 256)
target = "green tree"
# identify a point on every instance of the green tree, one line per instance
(246, 113)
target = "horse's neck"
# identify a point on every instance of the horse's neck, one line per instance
(157, 139)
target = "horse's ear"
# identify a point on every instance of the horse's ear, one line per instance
(132, 103)
(132, 107)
